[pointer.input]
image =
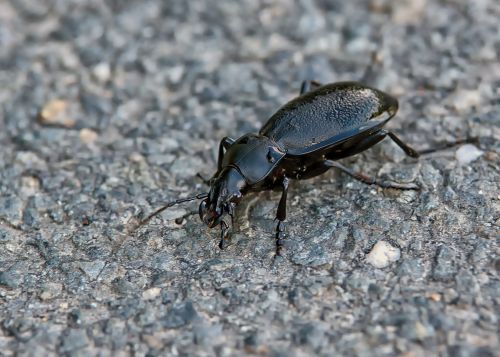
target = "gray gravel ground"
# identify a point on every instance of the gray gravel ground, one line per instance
(110, 108)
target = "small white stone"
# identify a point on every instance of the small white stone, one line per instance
(383, 254)
(50, 291)
(465, 99)
(151, 294)
(88, 136)
(467, 153)
(102, 72)
(175, 73)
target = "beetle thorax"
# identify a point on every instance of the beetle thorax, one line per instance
(225, 193)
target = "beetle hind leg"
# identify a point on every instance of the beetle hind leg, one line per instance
(370, 180)
(370, 73)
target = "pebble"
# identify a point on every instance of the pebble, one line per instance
(88, 136)
(383, 254)
(464, 100)
(467, 153)
(445, 267)
(409, 12)
(102, 72)
(74, 340)
(207, 334)
(56, 113)
(311, 334)
(10, 279)
(11, 209)
(50, 291)
(151, 293)
(180, 315)
(30, 185)
(92, 268)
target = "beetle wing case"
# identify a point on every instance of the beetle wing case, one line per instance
(254, 156)
(345, 137)
(329, 116)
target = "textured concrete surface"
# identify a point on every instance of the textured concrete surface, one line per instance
(110, 108)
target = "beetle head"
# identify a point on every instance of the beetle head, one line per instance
(224, 195)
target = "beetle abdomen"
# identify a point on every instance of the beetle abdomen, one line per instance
(326, 112)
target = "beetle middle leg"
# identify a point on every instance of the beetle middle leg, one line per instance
(370, 180)
(280, 217)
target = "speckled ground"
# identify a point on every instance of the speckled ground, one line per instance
(109, 109)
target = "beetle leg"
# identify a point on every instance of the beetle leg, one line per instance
(309, 85)
(407, 149)
(225, 143)
(280, 217)
(370, 180)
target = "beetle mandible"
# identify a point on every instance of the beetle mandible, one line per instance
(303, 139)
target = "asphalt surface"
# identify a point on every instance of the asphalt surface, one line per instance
(110, 108)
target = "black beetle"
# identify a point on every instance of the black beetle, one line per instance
(301, 140)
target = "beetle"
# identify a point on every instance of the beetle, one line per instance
(303, 139)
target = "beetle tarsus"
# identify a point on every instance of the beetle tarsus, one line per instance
(280, 237)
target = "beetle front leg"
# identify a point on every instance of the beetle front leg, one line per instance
(309, 85)
(224, 144)
(280, 217)
(370, 180)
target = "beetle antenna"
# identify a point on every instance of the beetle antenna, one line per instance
(168, 205)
